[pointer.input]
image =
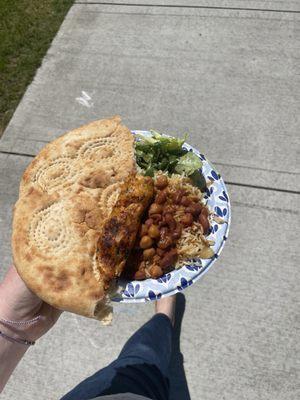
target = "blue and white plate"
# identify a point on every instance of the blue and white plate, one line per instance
(177, 280)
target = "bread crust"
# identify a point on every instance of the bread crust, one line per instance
(66, 193)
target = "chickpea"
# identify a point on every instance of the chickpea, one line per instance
(161, 197)
(144, 230)
(149, 222)
(194, 209)
(140, 275)
(161, 182)
(203, 220)
(187, 219)
(154, 232)
(155, 209)
(148, 253)
(185, 201)
(155, 271)
(146, 242)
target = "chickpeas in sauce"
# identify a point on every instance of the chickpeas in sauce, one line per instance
(161, 197)
(155, 209)
(170, 212)
(154, 232)
(149, 253)
(161, 182)
(146, 242)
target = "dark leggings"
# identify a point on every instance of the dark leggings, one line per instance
(141, 368)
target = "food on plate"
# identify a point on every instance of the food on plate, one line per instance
(173, 229)
(96, 204)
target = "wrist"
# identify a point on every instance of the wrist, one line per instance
(9, 312)
(12, 307)
(11, 332)
(19, 332)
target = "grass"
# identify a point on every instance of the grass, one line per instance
(27, 28)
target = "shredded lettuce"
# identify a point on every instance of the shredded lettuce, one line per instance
(163, 153)
(188, 164)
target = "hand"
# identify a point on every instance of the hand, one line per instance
(18, 303)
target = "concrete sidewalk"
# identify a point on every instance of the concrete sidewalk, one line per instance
(224, 71)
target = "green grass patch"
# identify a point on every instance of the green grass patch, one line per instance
(27, 28)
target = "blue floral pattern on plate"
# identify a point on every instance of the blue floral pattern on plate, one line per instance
(217, 200)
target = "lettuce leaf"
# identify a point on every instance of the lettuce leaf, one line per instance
(163, 153)
(188, 163)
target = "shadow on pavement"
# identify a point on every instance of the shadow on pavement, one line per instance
(178, 385)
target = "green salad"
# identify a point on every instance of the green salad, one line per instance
(162, 153)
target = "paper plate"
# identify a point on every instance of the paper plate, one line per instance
(152, 289)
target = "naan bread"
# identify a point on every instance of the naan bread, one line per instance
(65, 195)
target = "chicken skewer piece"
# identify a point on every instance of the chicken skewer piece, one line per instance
(120, 229)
